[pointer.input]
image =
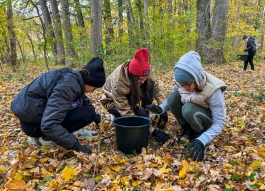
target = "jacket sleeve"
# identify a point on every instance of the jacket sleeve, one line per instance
(251, 45)
(86, 101)
(217, 106)
(158, 95)
(56, 109)
(119, 93)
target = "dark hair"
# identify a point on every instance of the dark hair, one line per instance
(138, 93)
(83, 70)
(197, 89)
(245, 37)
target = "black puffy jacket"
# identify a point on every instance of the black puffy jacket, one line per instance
(47, 100)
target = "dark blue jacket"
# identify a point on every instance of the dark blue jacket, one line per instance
(47, 100)
(251, 46)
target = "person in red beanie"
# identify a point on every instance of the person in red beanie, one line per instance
(129, 88)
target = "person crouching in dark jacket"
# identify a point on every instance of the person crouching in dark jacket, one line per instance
(54, 105)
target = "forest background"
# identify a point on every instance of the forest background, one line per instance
(39, 35)
(70, 32)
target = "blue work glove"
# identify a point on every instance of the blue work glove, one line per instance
(153, 108)
(97, 119)
(81, 148)
(197, 150)
(160, 135)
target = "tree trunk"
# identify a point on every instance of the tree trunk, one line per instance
(48, 27)
(120, 7)
(218, 32)
(108, 25)
(58, 32)
(169, 8)
(203, 26)
(147, 27)
(80, 20)
(12, 36)
(96, 29)
(70, 51)
(32, 47)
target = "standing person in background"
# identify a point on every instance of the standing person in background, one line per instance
(55, 105)
(251, 49)
(129, 88)
(197, 103)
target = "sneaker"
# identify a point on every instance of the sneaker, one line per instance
(86, 134)
(39, 141)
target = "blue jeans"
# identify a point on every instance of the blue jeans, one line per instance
(74, 120)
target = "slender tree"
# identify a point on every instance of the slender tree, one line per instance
(96, 29)
(49, 27)
(58, 32)
(70, 51)
(12, 35)
(108, 25)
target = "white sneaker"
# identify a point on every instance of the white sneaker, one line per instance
(39, 141)
(112, 117)
(86, 134)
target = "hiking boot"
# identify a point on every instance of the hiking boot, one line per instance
(40, 141)
(86, 134)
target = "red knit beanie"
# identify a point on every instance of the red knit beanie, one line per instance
(139, 65)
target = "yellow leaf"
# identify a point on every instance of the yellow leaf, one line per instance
(261, 150)
(255, 165)
(53, 185)
(125, 181)
(68, 173)
(137, 183)
(3, 149)
(3, 169)
(167, 189)
(183, 171)
(240, 163)
(153, 165)
(19, 175)
(15, 185)
(165, 170)
(115, 168)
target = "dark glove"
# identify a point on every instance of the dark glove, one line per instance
(97, 119)
(81, 148)
(197, 150)
(245, 50)
(162, 118)
(161, 135)
(153, 108)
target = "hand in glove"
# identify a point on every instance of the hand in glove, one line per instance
(97, 119)
(161, 135)
(197, 150)
(81, 148)
(153, 108)
(162, 118)
(245, 50)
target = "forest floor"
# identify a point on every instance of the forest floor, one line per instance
(234, 160)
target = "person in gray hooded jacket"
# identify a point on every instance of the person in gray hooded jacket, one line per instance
(55, 105)
(197, 103)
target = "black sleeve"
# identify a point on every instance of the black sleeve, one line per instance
(251, 45)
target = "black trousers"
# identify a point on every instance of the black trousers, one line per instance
(74, 120)
(137, 110)
(249, 60)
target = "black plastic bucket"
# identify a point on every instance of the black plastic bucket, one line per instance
(242, 57)
(131, 133)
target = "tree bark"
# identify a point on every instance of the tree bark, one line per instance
(48, 27)
(120, 10)
(80, 20)
(96, 29)
(58, 32)
(12, 36)
(108, 25)
(70, 51)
